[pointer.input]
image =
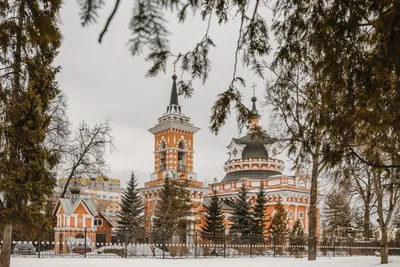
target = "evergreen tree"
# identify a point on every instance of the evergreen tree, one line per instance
(214, 226)
(259, 213)
(172, 210)
(29, 43)
(297, 237)
(338, 215)
(131, 217)
(278, 226)
(241, 217)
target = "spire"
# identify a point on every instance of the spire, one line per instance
(254, 121)
(174, 92)
(254, 99)
(173, 107)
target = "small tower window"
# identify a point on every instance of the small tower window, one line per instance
(163, 157)
(235, 152)
(181, 157)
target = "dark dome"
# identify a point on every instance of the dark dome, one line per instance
(254, 146)
(251, 174)
(253, 99)
(174, 76)
(254, 150)
(75, 190)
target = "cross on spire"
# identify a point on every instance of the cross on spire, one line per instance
(254, 88)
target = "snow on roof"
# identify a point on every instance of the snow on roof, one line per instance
(69, 206)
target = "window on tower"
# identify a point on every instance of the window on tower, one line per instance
(163, 157)
(181, 157)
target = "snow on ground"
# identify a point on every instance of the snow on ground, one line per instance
(209, 262)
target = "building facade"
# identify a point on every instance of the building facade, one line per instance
(173, 158)
(252, 162)
(79, 220)
(104, 191)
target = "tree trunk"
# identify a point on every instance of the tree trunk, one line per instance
(367, 218)
(312, 226)
(6, 247)
(384, 246)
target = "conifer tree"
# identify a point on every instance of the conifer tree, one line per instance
(241, 217)
(214, 220)
(297, 237)
(29, 43)
(172, 210)
(259, 213)
(278, 226)
(131, 217)
(338, 215)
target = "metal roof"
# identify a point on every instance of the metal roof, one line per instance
(254, 145)
(250, 174)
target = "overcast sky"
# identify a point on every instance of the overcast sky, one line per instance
(105, 81)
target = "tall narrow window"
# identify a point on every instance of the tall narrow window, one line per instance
(181, 157)
(163, 157)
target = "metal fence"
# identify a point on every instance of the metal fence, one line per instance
(88, 244)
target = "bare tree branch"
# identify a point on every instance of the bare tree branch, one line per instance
(109, 20)
(85, 154)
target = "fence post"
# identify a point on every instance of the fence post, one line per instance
(85, 243)
(224, 245)
(274, 245)
(333, 250)
(39, 248)
(126, 243)
(351, 254)
(195, 244)
(163, 243)
(251, 254)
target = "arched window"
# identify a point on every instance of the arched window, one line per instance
(163, 157)
(181, 157)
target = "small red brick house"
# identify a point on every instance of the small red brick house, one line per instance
(78, 218)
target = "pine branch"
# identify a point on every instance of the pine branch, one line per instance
(89, 9)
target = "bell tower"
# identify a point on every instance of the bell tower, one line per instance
(173, 142)
(173, 159)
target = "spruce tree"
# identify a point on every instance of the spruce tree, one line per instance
(241, 217)
(131, 217)
(297, 238)
(278, 227)
(29, 43)
(259, 213)
(172, 210)
(214, 226)
(338, 215)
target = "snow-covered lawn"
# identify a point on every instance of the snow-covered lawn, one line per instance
(210, 262)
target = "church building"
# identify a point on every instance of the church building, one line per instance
(252, 161)
(173, 157)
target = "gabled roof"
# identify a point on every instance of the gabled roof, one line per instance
(105, 218)
(69, 207)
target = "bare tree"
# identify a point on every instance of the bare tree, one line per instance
(58, 133)
(297, 99)
(85, 153)
(356, 178)
(102, 204)
(387, 190)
